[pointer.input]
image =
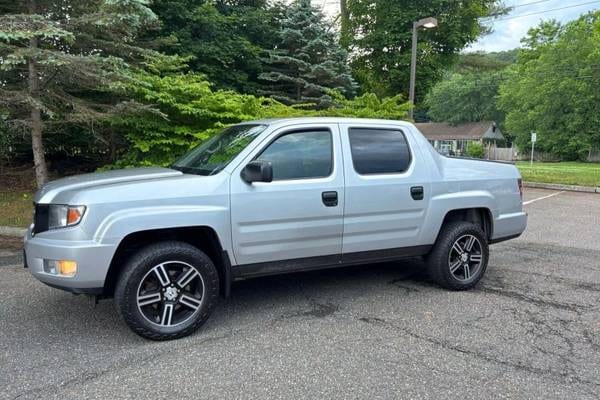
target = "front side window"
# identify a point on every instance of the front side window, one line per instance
(378, 151)
(213, 155)
(300, 155)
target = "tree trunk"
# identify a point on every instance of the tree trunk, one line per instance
(37, 125)
(344, 24)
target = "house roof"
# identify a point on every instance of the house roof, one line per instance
(467, 131)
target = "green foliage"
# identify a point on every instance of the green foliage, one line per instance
(225, 39)
(191, 111)
(477, 62)
(307, 61)
(469, 97)
(475, 150)
(368, 106)
(81, 54)
(379, 32)
(554, 89)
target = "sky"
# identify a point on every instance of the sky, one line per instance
(508, 29)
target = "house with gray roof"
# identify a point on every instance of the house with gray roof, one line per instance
(454, 139)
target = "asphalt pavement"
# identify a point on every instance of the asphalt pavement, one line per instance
(530, 329)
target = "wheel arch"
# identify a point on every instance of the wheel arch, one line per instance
(480, 216)
(204, 238)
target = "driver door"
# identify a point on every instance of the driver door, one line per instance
(295, 221)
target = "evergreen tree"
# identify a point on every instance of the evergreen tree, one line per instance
(308, 61)
(61, 61)
(224, 38)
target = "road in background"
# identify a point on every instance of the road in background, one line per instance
(530, 329)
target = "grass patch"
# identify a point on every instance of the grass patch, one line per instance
(16, 208)
(567, 173)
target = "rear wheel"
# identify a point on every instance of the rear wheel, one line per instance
(459, 257)
(167, 290)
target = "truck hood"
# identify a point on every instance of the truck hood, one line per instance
(79, 182)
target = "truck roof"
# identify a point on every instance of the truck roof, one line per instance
(308, 120)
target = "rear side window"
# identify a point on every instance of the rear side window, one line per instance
(379, 151)
(300, 155)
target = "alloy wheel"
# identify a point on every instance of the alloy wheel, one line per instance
(465, 257)
(170, 293)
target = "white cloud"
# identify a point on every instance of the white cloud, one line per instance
(507, 33)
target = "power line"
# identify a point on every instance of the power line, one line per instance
(528, 4)
(491, 19)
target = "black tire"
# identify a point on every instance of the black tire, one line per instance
(140, 270)
(443, 257)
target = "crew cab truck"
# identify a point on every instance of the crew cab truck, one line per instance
(269, 197)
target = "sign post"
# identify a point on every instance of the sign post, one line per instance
(533, 140)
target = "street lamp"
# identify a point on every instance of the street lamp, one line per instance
(426, 23)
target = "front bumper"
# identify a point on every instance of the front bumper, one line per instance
(92, 258)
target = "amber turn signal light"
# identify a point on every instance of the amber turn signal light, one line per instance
(74, 215)
(66, 268)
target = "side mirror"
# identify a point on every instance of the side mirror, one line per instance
(258, 171)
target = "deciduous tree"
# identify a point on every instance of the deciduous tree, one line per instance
(554, 89)
(379, 35)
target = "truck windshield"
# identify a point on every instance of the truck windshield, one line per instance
(213, 155)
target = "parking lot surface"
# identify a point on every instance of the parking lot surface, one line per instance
(530, 329)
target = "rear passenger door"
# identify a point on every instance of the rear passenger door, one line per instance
(386, 192)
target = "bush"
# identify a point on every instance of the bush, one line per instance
(184, 111)
(475, 150)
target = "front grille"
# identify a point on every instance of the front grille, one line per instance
(40, 218)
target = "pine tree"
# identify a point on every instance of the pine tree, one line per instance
(308, 62)
(61, 61)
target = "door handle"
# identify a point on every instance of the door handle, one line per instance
(417, 192)
(330, 199)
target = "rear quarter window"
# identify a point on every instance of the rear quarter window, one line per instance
(379, 151)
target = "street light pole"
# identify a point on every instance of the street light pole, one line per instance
(429, 22)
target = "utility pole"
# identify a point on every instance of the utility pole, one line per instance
(533, 140)
(426, 23)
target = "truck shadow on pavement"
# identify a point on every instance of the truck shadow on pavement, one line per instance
(313, 294)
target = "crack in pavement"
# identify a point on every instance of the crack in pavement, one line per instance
(567, 377)
(91, 375)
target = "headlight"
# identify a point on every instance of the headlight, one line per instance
(60, 216)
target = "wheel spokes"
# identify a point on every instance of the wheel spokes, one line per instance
(150, 298)
(456, 265)
(469, 243)
(467, 270)
(187, 277)
(170, 293)
(190, 301)
(475, 258)
(162, 275)
(167, 314)
(465, 258)
(457, 247)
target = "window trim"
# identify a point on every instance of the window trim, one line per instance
(300, 130)
(394, 128)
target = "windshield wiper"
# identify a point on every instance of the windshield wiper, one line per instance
(190, 170)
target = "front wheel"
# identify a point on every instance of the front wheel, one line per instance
(459, 257)
(167, 290)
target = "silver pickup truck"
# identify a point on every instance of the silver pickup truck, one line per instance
(269, 197)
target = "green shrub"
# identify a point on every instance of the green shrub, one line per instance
(184, 110)
(475, 150)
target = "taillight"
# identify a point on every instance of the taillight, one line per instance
(520, 181)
